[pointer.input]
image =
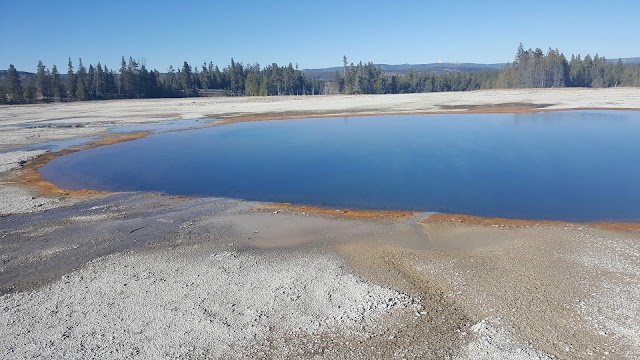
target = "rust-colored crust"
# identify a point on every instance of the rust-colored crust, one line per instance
(337, 213)
(30, 174)
(444, 109)
(518, 223)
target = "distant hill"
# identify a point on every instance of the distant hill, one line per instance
(24, 75)
(438, 68)
(441, 66)
(633, 60)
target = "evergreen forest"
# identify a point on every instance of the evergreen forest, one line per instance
(530, 69)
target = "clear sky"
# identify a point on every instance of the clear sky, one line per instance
(312, 34)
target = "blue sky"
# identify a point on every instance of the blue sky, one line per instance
(312, 34)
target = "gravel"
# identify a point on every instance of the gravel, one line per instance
(613, 305)
(493, 342)
(14, 160)
(15, 199)
(18, 200)
(223, 304)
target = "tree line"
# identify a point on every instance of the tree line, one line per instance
(530, 69)
(370, 79)
(134, 80)
(535, 69)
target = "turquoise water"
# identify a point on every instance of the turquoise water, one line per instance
(575, 165)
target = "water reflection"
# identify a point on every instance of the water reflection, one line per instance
(576, 165)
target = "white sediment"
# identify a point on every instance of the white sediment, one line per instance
(226, 304)
(134, 111)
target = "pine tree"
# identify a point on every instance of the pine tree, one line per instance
(219, 81)
(618, 73)
(349, 79)
(72, 81)
(236, 81)
(170, 81)
(212, 83)
(42, 85)
(588, 67)
(186, 80)
(287, 77)
(337, 83)
(576, 71)
(393, 84)
(132, 80)
(265, 83)
(3, 96)
(90, 82)
(30, 93)
(81, 87)
(110, 83)
(154, 84)
(344, 68)
(13, 86)
(204, 77)
(598, 71)
(56, 84)
(143, 82)
(122, 78)
(99, 82)
(252, 84)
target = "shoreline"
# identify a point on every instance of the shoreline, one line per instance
(488, 110)
(30, 176)
(440, 218)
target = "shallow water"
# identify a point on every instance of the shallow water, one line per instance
(59, 145)
(576, 165)
(161, 126)
(55, 145)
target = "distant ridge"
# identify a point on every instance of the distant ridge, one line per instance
(437, 68)
(633, 60)
(23, 75)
